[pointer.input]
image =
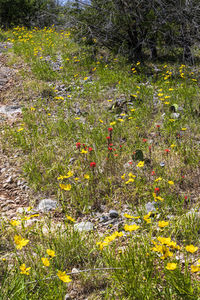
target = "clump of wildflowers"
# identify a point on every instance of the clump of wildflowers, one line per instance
(20, 242)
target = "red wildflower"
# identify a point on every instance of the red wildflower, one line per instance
(109, 148)
(108, 137)
(92, 164)
(78, 145)
(110, 129)
(144, 140)
(153, 173)
(156, 190)
(90, 149)
(185, 197)
(158, 126)
(110, 145)
(167, 150)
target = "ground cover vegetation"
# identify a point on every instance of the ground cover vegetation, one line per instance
(99, 132)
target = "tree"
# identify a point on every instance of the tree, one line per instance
(28, 12)
(132, 27)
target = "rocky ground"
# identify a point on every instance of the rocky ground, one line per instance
(13, 188)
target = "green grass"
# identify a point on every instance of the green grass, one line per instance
(76, 103)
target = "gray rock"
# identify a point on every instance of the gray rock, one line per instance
(175, 115)
(75, 271)
(67, 297)
(46, 205)
(30, 222)
(10, 109)
(150, 206)
(192, 213)
(22, 210)
(9, 180)
(110, 222)
(103, 219)
(113, 214)
(83, 226)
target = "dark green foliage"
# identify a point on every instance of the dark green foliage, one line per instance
(140, 27)
(28, 12)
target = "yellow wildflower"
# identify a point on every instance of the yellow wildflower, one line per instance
(170, 182)
(158, 179)
(20, 129)
(191, 248)
(20, 242)
(131, 227)
(131, 175)
(86, 176)
(195, 269)
(171, 266)
(147, 216)
(45, 261)
(84, 151)
(160, 198)
(70, 219)
(69, 174)
(102, 244)
(24, 270)
(140, 164)
(131, 217)
(163, 240)
(14, 222)
(163, 224)
(66, 187)
(163, 250)
(50, 252)
(148, 221)
(63, 276)
(130, 180)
